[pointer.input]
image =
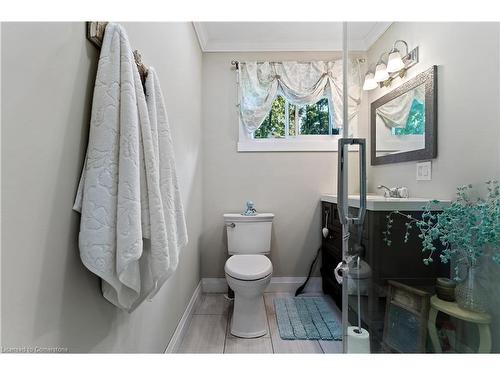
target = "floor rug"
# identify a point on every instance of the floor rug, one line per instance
(306, 318)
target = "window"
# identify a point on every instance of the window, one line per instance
(288, 120)
(289, 127)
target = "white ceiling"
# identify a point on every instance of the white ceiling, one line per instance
(285, 36)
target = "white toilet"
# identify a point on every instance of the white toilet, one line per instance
(248, 271)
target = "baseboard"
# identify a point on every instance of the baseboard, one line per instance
(278, 284)
(214, 285)
(290, 284)
(180, 330)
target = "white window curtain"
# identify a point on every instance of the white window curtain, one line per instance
(301, 83)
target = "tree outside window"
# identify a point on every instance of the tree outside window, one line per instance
(288, 120)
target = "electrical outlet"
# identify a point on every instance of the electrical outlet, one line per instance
(424, 171)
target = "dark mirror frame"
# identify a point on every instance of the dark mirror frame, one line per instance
(429, 78)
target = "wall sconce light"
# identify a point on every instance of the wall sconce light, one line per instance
(381, 73)
(370, 82)
(395, 60)
(397, 65)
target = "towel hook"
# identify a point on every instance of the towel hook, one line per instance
(143, 70)
(95, 34)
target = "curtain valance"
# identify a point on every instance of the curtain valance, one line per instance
(301, 83)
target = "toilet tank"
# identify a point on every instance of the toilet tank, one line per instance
(248, 234)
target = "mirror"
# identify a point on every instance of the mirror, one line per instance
(403, 122)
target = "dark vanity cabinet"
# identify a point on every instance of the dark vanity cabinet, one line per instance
(400, 262)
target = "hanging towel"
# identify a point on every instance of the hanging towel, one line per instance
(109, 196)
(163, 221)
(165, 259)
(124, 237)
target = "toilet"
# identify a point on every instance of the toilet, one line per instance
(248, 271)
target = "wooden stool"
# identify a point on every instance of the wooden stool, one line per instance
(482, 320)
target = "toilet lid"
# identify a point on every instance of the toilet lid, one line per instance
(248, 266)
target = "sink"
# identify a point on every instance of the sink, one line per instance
(381, 198)
(380, 203)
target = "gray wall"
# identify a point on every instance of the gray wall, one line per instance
(48, 297)
(467, 56)
(288, 184)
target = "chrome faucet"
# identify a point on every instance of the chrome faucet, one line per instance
(395, 192)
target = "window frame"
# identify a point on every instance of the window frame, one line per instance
(298, 142)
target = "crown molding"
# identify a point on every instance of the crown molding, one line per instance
(201, 34)
(376, 32)
(218, 46)
(208, 45)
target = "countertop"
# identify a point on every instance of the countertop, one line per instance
(381, 203)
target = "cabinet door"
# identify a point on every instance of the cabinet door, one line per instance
(330, 258)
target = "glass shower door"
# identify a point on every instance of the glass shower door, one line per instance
(355, 337)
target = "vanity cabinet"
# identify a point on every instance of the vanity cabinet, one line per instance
(400, 262)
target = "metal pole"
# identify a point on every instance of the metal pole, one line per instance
(344, 176)
(359, 297)
(345, 93)
(342, 194)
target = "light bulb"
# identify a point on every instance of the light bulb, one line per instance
(381, 72)
(395, 63)
(370, 82)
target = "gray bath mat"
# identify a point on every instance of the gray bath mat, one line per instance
(306, 318)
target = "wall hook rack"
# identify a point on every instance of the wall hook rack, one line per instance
(95, 34)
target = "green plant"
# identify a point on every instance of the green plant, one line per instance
(467, 229)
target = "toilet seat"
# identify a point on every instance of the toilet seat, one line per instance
(248, 266)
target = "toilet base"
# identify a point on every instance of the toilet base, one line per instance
(249, 318)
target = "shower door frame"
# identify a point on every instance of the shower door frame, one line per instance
(342, 189)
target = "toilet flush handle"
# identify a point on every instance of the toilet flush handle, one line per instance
(230, 225)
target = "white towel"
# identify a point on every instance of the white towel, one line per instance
(165, 261)
(119, 195)
(163, 220)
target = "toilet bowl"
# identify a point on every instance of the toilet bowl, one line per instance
(248, 276)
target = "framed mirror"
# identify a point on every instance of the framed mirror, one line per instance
(404, 121)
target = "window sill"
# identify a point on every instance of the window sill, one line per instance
(289, 145)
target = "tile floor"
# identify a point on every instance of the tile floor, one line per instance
(209, 331)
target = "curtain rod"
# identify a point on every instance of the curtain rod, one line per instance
(237, 63)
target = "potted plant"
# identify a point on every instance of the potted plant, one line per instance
(463, 232)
